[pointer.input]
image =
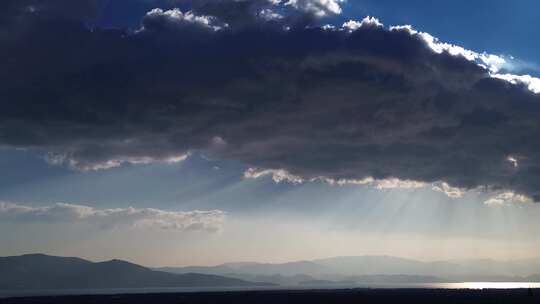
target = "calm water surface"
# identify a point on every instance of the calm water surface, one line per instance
(464, 285)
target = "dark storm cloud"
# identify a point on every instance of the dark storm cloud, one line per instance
(338, 103)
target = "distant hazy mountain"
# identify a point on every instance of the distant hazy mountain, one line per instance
(366, 265)
(523, 267)
(326, 283)
(220, 269)
(287, 269)
(533, 278)
(387, 268)
(360, 265)
(395, 278)
(38, 271)
(283, 280)
(375, 279)
(264, 269)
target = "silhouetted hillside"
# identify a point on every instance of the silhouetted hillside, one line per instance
(38, 271)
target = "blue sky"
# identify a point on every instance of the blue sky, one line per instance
(498, 26)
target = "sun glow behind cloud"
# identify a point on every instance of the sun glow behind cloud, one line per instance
(317, 220)
(497, 198)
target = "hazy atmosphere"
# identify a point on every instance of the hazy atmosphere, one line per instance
(176, 133)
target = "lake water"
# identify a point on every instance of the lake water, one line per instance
(487, 285)
(464, 285)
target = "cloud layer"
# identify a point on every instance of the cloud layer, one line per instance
(210, 221)
(260, 82)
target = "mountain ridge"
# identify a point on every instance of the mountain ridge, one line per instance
(40, 271)
(347, 266)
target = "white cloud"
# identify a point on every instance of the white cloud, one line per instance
(176, 16)
(396, 183)
(439, 47)
(64, 159)
(343, 182)
(278, 175)
(353, 25)
(281, 175)
(513, 161)
(328, 27)
(532, 83)
(129, 217)
(269, 15)
(493, 63)
(508, 198)
(450, 191)
(319, 8)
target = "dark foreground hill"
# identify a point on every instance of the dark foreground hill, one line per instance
(349, 296)
(38, 271)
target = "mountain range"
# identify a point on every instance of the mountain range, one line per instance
(38, 271)
(385, 269)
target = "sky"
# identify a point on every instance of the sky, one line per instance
(198, 132)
